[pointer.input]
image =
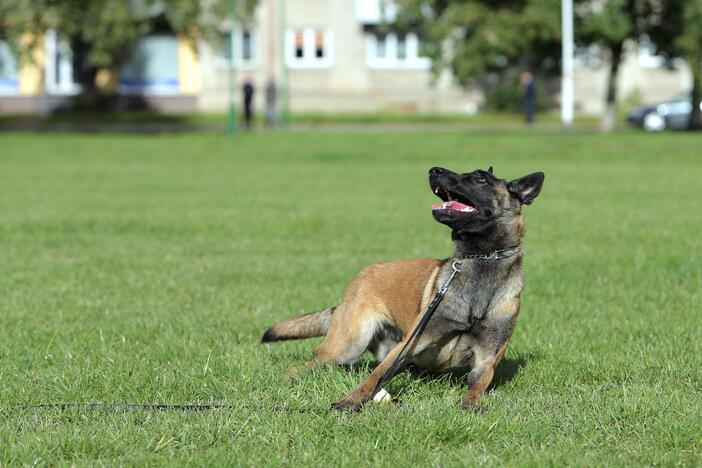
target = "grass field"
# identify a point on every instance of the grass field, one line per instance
(141, 120)
(145, 268)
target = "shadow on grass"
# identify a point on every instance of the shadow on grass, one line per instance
(510, 367)
(507, 370)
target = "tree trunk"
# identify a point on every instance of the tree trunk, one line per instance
(609, 119)
(84, 71)
(696, 115)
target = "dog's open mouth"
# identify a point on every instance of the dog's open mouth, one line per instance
(450, 203)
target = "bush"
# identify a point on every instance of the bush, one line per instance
(508, 96)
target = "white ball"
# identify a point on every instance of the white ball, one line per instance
(383, 396)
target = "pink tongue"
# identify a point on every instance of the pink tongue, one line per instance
(450, 205)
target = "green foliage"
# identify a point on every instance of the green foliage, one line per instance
(475, 39)
(140, 268)
(508, 96)
(633, 99)
(690, 41)
(107, 28)
(608, 22)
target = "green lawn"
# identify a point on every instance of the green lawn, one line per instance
(145, 269)
(218, 121)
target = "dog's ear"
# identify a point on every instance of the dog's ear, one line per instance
(527, 188)
(490, 170)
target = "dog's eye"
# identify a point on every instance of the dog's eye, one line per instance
(481, 179)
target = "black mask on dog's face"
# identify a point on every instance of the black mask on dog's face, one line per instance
(473, 202)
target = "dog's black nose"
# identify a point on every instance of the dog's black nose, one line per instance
(434, 171)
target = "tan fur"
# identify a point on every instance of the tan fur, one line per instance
(378, 294)
(472, 398)
(304, 326)
(395, 288)
(397, 293)
(429, 290)
(381, 293)
(384, 303)
(507, 308)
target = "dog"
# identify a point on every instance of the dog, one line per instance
(471, 327)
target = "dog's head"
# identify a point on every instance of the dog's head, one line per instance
(474, 202)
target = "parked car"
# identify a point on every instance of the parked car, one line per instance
(673, 114)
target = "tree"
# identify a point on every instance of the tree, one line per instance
(609, 24)
(487, 38)
(677, 32)
(102, 32)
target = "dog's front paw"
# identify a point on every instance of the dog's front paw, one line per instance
(470, 404)
(293, 375)
(347, 404)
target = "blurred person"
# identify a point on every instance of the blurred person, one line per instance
(271, 94)
(529, 93)
(248, 90)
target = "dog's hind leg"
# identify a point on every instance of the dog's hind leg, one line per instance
(363, 392)
(351, 330)
(350, 333)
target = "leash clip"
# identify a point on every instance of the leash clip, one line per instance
(419, 329)
(455, 271)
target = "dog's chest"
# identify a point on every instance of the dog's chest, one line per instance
(482, 291)
(470, 298)
(448, 354)
(478, 314)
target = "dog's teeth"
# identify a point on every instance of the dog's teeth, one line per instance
(436, 190)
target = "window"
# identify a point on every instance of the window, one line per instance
(59, 73)
(319, 44)
(381, 41)
(299, 44)
(401, 48)
(152, 67)
(246, 46)
(395, 50)
(308, 48)
(9, 84)
(243, 43)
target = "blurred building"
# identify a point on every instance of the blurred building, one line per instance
(163, 72)
(332, 55)
(336, 58)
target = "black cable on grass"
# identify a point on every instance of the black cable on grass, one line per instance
(155, 407)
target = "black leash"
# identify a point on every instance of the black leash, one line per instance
(195, 407)
(417, 332)
(128, 406)
(422, 325)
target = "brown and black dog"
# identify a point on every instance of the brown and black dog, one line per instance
(472, 325)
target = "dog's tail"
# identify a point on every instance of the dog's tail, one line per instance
(304, 326)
